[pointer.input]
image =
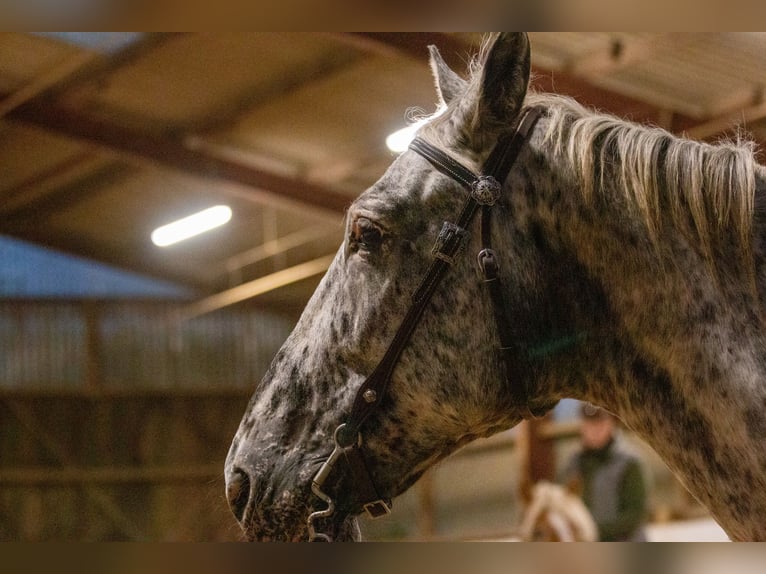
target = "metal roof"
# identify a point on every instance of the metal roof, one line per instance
(102, 138)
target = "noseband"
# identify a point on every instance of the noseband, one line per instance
(484, 192)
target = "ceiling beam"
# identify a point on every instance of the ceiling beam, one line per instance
(61, 171)
(68, 195)
(291, 83)
(455, 52)
(44, 108)
(47, 81)
(172, 153)
(573, 82)
(729, 122)
(620, 52)
(256, 287)
(274, 247)
(96, 67)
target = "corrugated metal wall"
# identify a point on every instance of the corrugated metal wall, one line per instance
(115, 418)
(132, 345)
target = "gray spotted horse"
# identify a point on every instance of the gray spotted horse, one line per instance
(617, 264)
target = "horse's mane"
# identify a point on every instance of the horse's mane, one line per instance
(707, 190)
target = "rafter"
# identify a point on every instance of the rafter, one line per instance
(257, 287)
(574, 82)
(169, 152)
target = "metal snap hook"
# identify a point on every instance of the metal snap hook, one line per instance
(316, 487)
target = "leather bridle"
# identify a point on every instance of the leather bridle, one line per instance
(484, 192)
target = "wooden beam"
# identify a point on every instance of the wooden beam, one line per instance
(455, 52)
(70, 194)
(63, 170)
(729, 122)
(46, 81)
(541, 457)
(275, 247)
(256, 287)
(290, 83)
(620, 52)
(574, 82)
(102, 500)
(426, 506)
(95, 69)
(108, 475)
(172, 153)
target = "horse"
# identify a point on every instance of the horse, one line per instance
(617, 264)
(554, 513)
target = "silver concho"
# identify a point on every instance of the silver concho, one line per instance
(485, 190)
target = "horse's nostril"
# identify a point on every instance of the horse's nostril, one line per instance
(238, 492)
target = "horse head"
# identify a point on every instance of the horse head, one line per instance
(444, 389)
(632, 271)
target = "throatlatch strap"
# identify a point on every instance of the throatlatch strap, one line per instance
(513, 355)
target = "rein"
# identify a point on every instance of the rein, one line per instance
(484, 191)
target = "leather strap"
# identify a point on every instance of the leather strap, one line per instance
(513, 353)
(484, 192)
(373, 389)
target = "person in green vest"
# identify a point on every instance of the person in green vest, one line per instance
(609, 479)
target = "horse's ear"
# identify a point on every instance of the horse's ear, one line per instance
(498, 96)
(448, 84)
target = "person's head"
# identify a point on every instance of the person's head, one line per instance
(597, 426)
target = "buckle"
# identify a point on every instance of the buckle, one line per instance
(488, 264)
(449, 242)
(485, 190)
(377, 508)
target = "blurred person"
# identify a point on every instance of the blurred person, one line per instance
(608, 477)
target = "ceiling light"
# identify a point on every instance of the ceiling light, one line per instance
(400, 140)
(191, 225)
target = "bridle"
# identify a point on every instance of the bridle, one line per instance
(484, 192)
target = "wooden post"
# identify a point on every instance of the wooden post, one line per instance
(92, 347)
(536, 452)
(541, 459)
(426, 520)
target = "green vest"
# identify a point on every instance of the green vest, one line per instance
(613, 489)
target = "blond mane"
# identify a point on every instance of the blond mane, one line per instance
(707, 190)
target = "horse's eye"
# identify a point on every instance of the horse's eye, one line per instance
(366, 234)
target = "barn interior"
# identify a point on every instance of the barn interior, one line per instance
(125, 366)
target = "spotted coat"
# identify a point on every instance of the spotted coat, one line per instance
(667, 334)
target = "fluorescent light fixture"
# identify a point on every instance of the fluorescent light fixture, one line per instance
(400, 140)
(191, 225)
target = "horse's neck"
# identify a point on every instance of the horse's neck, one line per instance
(687, 368)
